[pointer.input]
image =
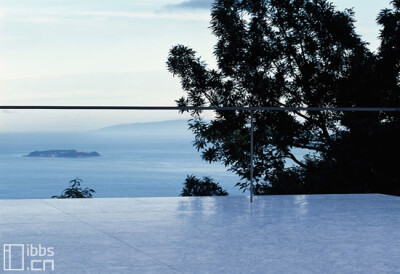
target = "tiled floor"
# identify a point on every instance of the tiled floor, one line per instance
(275, 234)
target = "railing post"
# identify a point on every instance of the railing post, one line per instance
(251, 154)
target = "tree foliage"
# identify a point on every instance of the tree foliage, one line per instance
(75, 191)
(297, 53)
(194, 186)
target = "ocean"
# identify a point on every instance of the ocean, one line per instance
(137, 160)
(131, 164)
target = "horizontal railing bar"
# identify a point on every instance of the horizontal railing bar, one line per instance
(342, 109)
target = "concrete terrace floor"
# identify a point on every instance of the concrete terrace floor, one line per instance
(275, 234)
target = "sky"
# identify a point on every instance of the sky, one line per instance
(107, 52)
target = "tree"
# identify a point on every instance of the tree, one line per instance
(297, 53)
(201, 187)
(75, 191)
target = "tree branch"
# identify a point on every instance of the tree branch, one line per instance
(296, 112)
(292, 157)
(323, 127)
(308, 147)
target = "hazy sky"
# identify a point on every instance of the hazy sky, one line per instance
(106, 52)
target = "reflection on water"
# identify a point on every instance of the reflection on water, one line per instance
(301, 202)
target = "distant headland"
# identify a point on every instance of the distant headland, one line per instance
(71, 153)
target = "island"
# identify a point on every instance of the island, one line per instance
(70, 153)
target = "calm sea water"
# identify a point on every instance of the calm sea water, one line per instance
(130, 165)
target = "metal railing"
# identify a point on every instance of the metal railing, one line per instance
(343, 109)
(187, 108)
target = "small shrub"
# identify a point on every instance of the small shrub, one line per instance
(201, 187)
(75, 191)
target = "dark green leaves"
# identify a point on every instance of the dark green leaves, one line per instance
(294, 53)
(75, 191)
(202, 187)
